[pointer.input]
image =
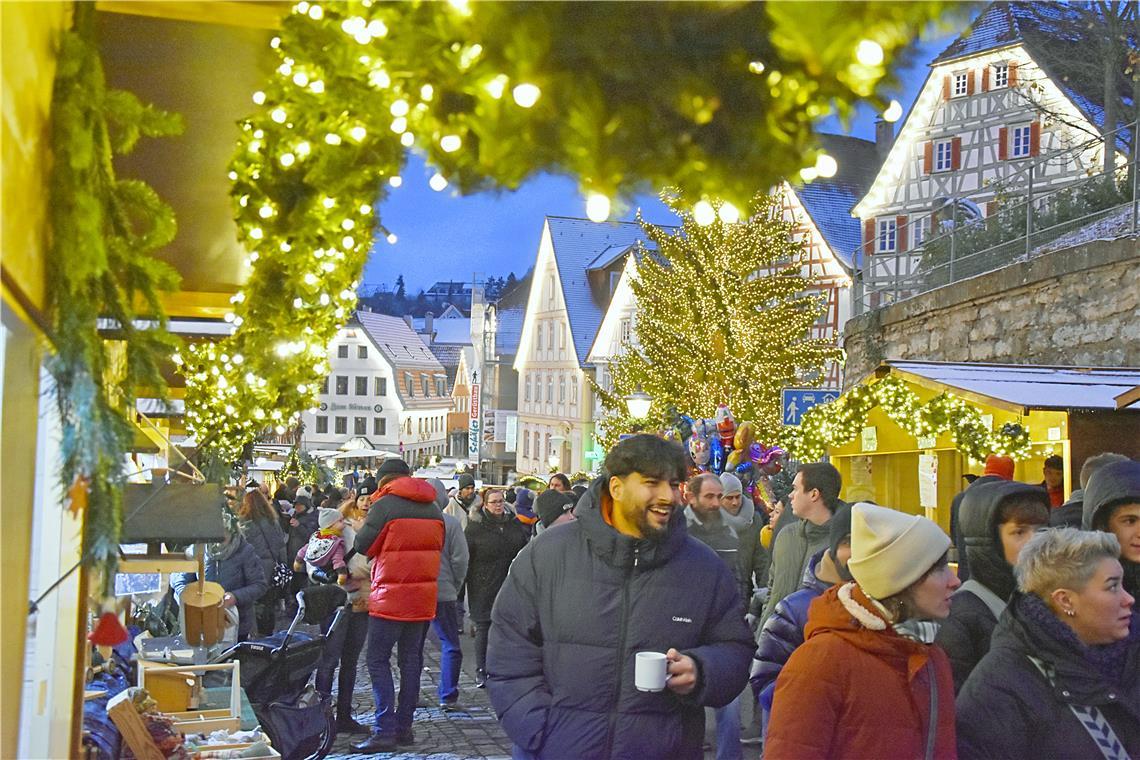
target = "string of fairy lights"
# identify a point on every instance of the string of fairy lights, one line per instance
(840, 421)
(492, 93)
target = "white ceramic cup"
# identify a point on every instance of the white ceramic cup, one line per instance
(649, 671)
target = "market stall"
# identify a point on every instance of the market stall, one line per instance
(906, 434)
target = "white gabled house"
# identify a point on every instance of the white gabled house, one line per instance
(578, 266)
(997, 99)
(385, 387)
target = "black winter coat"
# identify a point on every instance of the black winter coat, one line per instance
(307, 525)
(1008, 710)
(268, 540)
(492, 544)
(579, 602)
(955, 527)
(1110, 486)
(965, 634)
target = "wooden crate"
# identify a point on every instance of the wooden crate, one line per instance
(200, 721)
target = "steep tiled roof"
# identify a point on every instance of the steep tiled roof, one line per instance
(829, 201)
(1061, 37)
(577, 242)
(399, 344)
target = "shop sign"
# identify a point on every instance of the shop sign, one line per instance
(870, 439)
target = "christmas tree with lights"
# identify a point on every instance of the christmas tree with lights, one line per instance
(724, 311)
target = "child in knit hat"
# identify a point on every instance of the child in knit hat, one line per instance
(323, 555)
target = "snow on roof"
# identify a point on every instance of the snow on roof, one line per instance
(576, 243)
(400, 345)
(508, 331)
(454, 331)
(1029, 386)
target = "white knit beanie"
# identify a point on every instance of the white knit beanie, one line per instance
(326, 518)
(890, 550)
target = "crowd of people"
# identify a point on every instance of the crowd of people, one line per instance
(859, 634)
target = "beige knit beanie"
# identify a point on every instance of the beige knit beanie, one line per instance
(890, 550)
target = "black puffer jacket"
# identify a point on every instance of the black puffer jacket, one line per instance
(1110, 486)
(492, 543)
(956, 526)
(268, 540)
(965, 635)
(579, 602)
(1008, 711)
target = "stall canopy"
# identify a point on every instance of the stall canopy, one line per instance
(1023, 386)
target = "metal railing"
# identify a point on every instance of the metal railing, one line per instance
(1033, 216)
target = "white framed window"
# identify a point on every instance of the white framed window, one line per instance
(323, 425)
(526, 444)
(362, 352)
(342, 351)
(361, 386)
(1019, 141)
(440, 386)
(381, 386)
(960, 86)
(561, 335)
(919, 231)
(573, 392)
(538, 345)
(341, 425)
(360, 426)
(550, 389)
(342, 385)
(409, 385)
(550, 335)
(379, 426)
(325, 385)
(561, 388)
(885, 241)
(425, 386)
(550, 289)
(999, 75)
(624, 328)
(537, 450)
(943, 155)
(526, 391)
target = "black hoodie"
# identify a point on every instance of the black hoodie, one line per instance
(965, 635)
(1110, 486)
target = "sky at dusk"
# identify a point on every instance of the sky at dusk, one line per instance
(442, 236)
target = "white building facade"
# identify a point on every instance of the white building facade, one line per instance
(385, 391)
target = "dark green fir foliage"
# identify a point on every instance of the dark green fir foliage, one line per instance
(101, 272)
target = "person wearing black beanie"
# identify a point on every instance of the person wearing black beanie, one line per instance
(551, 506)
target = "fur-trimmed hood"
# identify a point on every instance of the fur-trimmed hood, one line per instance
(845, 611)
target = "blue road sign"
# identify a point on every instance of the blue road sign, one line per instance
(796, 401)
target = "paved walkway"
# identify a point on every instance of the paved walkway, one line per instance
(472, 732)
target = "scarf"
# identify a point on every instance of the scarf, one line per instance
(1108, 659)
(222, 552)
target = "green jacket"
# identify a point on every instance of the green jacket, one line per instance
(794, 546)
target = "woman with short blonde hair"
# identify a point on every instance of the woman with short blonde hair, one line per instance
(1062, 677)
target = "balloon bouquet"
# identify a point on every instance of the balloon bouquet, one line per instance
(719, 445)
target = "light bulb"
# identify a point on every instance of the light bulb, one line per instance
(287, 159)
(315, 12)
(256, 234)
(300, 79)
(302, 149)
(399, 107)
(437, 182)
(450, 143)
(347, 224)
(728, 213)
(869, 53)
(427, 92)
(756, 67)
(358, 133)
(332, 139)
(808, 173)
(278, 115)
(392, 238)
(526, 95)
(259, 97)
(348, 242)
(310, 278)
(703, 213)
(407, 139)
(597, 207)
(328, 202)
(826, 165)
(318, 86)
(893, 112)
(496, 86)
(377, 28)
(396, 181)
(265, 212)
(399, 125)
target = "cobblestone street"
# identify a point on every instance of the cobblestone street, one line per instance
(472, 732)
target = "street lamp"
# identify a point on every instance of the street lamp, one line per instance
(638, 404)
(554, 460)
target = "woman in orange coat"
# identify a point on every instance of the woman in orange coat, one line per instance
(862, 685)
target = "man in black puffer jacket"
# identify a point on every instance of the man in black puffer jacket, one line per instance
(585, 596)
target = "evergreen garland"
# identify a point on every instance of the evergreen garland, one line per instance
(104, 231)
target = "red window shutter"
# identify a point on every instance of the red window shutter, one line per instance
(986, 79)
(1012, 73)
(956, 154)
(928, 158)
(901, 231)
(946, 87)
(970, 82)
(1003, 143)
(869, 236)
(1035, 138)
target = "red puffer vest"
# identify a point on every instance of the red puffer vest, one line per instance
(403, 535)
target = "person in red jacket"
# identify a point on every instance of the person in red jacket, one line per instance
(860, 686)
(403, 536)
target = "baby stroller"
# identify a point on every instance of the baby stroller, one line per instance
(275, 673)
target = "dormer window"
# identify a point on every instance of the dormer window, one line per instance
(960, 84)
(999, 76)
